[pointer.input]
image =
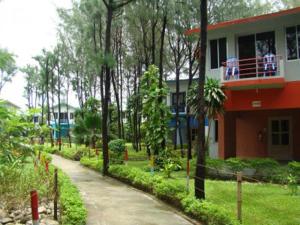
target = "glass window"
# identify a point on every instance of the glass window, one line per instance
(218, 52)
(214, 54)
(222, 51)
(280, 132)
(265, 43)
(71, 116)
(35, 119)
(181, 101)
(291, 43)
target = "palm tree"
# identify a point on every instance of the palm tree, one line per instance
(214, 98)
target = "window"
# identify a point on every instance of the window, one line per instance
(63, 116)
(35, 119)
(71, 116)
(293, 42)
(181, 102)
(280, 131)
(216, 130)
(218, 52)
(265, 43)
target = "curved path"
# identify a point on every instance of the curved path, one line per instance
(110, 202)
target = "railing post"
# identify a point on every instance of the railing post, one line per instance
(222, 73)
(281, 67)
(188, 175)
(34, 207)
(239, 196)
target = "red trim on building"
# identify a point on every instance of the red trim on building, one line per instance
(264, 99)
(246, 20)
(254, 83)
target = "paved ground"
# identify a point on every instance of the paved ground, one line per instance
(110, 202)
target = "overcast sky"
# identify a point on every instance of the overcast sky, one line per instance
(26, 27)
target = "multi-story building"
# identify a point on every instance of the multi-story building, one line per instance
(257, 60)
(66, 119)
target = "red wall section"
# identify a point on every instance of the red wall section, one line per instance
(238, 133)
(248, 125)
(287, 97)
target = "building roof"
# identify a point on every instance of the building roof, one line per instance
(65, 104)
(10, 104)
(246, 20)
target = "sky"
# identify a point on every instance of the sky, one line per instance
(26, 27)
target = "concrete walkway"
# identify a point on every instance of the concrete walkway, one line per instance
(110, 202)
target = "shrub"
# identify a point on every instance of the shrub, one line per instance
(73, 211)
(206, 212)
(75, 153)
(117, 148)
(261, 164)
(294, 168)
(93, 163)
(173, 192)
(169, 189)
(237, 164)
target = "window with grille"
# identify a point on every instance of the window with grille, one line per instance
(280, 132)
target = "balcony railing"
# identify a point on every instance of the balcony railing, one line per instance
(268, 66)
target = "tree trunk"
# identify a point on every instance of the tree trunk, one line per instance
(48, 101)
(59, 107)
(161, 68)
(105, 138)
(200, 167)
(118, 103)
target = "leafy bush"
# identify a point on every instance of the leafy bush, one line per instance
(169, 189)
(117, 148)
(174, 192)
(292, 184)
(169, 166)
(294, 168)
(49, 149)
(75, 153)
(93, 163)
(237, 164)
(206, 212)
(73, 211)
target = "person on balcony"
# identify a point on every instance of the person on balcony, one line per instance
(270, 64)
(232, 69)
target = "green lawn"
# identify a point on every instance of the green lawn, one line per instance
(263, 204)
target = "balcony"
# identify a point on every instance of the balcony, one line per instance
(252, 73)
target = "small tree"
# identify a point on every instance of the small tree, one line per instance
(156, 125)
(7, 67)
(214, 101)
(88, 122)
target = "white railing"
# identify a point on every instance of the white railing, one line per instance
(270, 66)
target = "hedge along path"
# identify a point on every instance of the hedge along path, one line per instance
(110, 202)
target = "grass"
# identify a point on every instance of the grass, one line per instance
(263, 203)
